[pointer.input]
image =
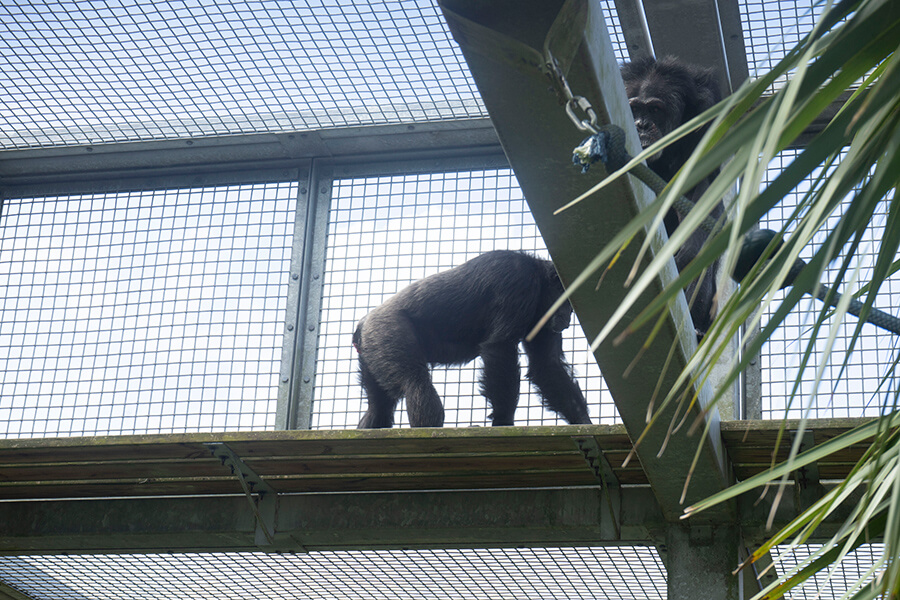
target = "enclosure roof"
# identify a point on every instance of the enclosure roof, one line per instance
(85, 73)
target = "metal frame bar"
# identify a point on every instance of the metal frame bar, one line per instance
(264, 505)
(634, 28)
(700, 32)
(253, 158)
(286, 409)
(338, 521)
(312, 269)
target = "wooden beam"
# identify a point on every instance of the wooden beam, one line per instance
(350, 489)
(502, 42)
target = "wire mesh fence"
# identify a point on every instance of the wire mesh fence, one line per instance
(601, 573)
(386, 232)
(86, 73)
(90, 73)
(850, 389)
(839, 583)
(160, 311)
(503, 573)
(143, 312)
(772, 27)
(614, 28)
(151, 312)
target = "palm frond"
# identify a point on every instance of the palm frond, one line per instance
(847, 172)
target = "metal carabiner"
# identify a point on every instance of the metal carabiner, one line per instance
(589, 125)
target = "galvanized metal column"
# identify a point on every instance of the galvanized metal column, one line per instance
(298, 357)
(699, 561)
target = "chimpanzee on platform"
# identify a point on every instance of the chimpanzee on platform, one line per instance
(484, 307)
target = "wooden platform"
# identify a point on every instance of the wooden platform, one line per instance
(751, 445)
(351, 460)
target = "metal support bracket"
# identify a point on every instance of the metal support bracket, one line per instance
(603, 472)
(761, 573)
(264, 505)
(807, 488)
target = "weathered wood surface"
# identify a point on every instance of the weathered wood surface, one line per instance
(375, 460)
(753, 444)
(309, 461)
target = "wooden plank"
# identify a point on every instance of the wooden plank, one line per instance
(762, 426)
(341, 461)
(307, 461)
(751, 445)
(300, 483)
(286, 466)
(763, 455)
(118, 488)
(351, 441)
(111, 469)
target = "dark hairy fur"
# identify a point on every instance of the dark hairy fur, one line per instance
(664, 94)
(484, 307)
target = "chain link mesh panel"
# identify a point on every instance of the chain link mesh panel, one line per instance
(613, 573)
(90, 73)
(853, 389)
(143, 312)
(385, 233)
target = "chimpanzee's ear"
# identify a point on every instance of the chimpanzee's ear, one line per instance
(553, 277)
(708, 93)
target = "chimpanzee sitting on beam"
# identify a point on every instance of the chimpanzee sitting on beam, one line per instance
(664, 94)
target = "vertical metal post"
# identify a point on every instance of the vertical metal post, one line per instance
(298, 357)
(751, 380)
(634, 28)
(699, 561)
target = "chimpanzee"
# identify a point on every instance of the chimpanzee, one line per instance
(664, 94)
(484, 307)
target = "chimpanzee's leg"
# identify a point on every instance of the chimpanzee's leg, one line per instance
(393, 366)
(381, 404)
(552, 375)
(500, 380)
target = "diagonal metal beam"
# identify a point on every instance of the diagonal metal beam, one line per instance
(503, 43)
